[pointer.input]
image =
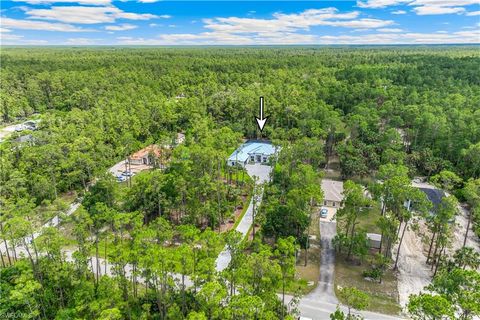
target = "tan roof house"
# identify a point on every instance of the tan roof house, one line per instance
(332, 193)
(146, 156)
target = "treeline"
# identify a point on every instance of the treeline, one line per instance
(154, 271)
(426, 99)
(390, 112)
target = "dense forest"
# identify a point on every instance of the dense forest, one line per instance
(384, 112)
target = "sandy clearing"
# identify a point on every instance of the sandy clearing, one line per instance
(6, 131)
(461, 222)
(413, 273)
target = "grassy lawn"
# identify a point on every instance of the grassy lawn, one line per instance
(368, 222)
(244, 210)
(308, 275)
(383, 296)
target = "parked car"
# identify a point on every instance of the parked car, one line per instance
(121, 178)
(31, 125)
(128, 173)
(323, 213)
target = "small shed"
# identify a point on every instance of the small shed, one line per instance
(180, 138)
(374, 239)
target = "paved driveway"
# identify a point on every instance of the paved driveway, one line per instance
(330, 215)
(325, 289)
(263, 174)
(6, 131)
(259, 170)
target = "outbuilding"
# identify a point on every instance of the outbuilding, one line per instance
(374, 239)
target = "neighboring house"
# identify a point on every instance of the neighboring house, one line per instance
(146, 156)
(332, 193)
(435, 196)
(180, 138)
(252, 152)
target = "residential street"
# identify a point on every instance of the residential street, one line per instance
(321, 310)
(51, 223)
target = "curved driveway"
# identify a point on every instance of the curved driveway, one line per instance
(263, 174)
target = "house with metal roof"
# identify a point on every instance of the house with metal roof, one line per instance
(253, 151)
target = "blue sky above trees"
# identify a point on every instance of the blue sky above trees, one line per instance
(150, 22)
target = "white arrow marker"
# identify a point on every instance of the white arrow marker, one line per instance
(261, 121)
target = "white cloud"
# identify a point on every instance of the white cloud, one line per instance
(405, 38)
(280, 29)
(87, 2)
(82, 41)
(121, 27)
(10, 37)
(375, 4)
(85, 15)
(214, 38)
(473, 13)
(4, 30)
(421, 7)
(14, 39)
(40, 25)
(443, 3)
(165, 16)
(390, 30)
(434, 10)
(294, 22)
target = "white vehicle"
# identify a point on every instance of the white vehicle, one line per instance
(128, 173)
(121, 178)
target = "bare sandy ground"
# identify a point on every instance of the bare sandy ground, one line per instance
(6, 131)
(461, 222)
(413, 272)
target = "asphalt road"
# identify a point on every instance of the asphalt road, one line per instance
(321, 310)
(325, 288)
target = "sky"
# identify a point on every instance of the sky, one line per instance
(153, 22)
